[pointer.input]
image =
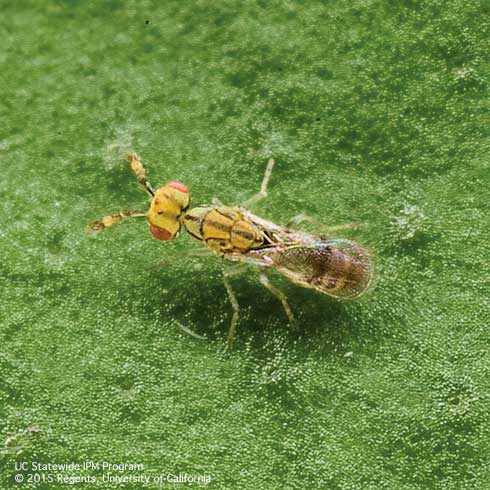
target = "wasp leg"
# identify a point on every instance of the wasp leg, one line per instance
(263, 188)
(188, 331)
(198, 252)
(139, 171)
(216, 202)
(302, 218)
(113, 219)
(233, 271)
(264, 280)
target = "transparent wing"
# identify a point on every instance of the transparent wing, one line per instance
(339, 268)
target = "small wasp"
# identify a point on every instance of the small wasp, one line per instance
(336, 267)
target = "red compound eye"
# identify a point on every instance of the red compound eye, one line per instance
(160, 233)
(179, 186)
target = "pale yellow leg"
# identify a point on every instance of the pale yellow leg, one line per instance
(215, 201)
(263, 188)
(264, 280)
(233, 271)
(197, 252)
(139, 171)
(188, 331)
(114, 219)
(302, 218)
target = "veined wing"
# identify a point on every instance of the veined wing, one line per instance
(339, 268)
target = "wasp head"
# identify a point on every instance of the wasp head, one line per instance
(167, 206)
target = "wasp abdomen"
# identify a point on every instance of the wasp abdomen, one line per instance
(340, 268)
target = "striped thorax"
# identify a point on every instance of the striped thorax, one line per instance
(224, 229)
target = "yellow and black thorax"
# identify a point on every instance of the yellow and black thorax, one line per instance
(224, 229)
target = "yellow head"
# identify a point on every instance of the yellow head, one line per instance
(167, 206)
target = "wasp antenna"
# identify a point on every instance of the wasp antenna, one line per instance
(138, 169)
(113, 219)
